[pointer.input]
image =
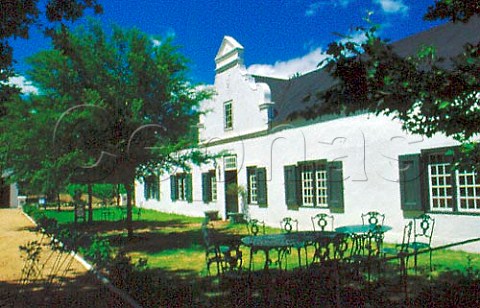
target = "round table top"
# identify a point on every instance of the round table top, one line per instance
(286, 239)
(362, 228)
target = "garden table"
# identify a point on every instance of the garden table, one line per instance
(367, 243)
(360, 229)
(281, 243)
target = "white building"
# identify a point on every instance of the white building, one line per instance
(343, 166)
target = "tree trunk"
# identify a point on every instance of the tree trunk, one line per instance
(118, 195)
(58, 202)
(90, 208)
(129, 223)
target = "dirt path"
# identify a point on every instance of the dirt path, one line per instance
(72, 285)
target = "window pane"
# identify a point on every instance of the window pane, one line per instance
(468, 191)
(440, 184)
(213, 186)
(321, 177)
(307, 187)
(253, 188)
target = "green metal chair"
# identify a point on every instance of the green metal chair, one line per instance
(422, 236)
(321, 221)
(254, 227)
(226, 256)
(401, 251)
(373, 218)
(288, 224)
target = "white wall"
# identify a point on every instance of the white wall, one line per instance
(367, 145)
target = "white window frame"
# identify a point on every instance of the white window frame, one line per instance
(252, 178)
(307, 188)
(213, 186)
(439, 183)
(230, 162)
(321, 187)
(182, 186)
(228, 115)
(471, 189)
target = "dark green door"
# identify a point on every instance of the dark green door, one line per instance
(231, 194)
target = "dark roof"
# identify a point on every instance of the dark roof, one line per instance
(299, 93)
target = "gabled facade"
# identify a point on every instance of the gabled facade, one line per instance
(273, 167)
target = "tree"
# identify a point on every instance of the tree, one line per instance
(112, 108)
(18, 16)
(427, 93)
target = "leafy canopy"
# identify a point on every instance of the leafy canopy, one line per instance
(429, 94)
(111, 102)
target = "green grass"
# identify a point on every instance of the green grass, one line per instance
(173, 242)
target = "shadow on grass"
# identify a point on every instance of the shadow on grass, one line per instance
(82, 291)
(298, 288)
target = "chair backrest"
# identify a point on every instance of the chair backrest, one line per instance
(254, 226)
(407, 236)
(373, 218)
(289, 224)
(321, 221)
(207, 235)
(423, 228)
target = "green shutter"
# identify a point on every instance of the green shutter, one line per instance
(206, 187)
(145, 189)
(291, 190)
(261, 174)
(188, 187)
(157, 188)
(173, 187)
(335, 187)
(410, 182)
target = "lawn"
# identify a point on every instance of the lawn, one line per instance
(173, 246)
(174, 242)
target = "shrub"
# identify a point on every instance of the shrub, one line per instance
(99, 252)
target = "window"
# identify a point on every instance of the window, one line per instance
(181, 187)
(228, 115)
(446, 189)
(257, 186)
(151, 188)
(230, 162)
(314, 184)
(209, 186)
(252, 186)
(439, 183)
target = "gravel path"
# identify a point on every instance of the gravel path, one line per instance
(72, 286)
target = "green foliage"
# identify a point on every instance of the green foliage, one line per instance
(99, 252)
(456, 10)
(112, 106)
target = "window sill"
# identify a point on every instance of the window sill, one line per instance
(456, 213)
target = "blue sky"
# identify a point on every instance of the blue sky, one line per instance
(280, 37)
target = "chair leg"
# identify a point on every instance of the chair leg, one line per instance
(415, 261)
(431, 260)
(299, 251)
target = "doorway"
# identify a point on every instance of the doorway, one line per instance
(231, 194)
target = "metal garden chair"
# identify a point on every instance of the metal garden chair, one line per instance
(373, 218)
(254, 227)
(226, 257)
(321, 221)
(422, 236)
(401, 250)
